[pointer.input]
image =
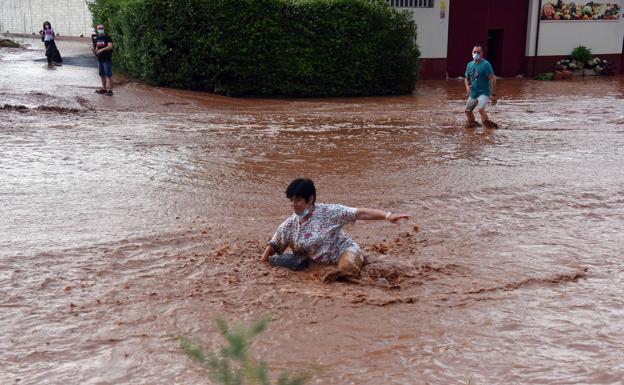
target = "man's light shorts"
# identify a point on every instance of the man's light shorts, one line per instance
(481, 101)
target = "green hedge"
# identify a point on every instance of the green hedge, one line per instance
(265, 47)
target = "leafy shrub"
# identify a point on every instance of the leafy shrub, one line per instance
(265, 47)
(9, 43)
(581, 54)
(545, 76)
(103, 11)
(233, 364)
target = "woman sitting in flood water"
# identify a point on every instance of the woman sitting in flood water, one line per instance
(314, 231)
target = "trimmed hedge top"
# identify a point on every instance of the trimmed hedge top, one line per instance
(265, 47)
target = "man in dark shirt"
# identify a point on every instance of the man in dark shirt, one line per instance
(104, 51)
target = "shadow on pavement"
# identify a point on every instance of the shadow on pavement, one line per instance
(84, 60)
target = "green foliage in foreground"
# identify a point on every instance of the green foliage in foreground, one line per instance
(265, 47)
(233, 364)
(545, 76)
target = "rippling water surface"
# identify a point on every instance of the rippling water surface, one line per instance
(130, 220)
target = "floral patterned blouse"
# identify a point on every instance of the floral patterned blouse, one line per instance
(320, 237)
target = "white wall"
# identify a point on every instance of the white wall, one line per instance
(432, 31)
(532, 27)
(560, 38)
(68, 17)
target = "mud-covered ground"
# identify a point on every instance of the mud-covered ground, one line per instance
(130, 220)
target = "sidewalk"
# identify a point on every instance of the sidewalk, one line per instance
(30, 83)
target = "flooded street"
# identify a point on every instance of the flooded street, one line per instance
(130, 220)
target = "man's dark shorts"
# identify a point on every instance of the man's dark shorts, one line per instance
(106, 69)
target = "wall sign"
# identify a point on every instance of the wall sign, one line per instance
(563, 10)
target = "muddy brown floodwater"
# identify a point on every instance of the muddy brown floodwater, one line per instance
(130, 220)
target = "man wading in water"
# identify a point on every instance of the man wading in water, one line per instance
(480, 85)
(314, 232)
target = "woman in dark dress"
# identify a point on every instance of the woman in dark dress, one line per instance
(52, 52)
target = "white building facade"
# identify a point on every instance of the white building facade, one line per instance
(518, 37)
(68, 17)
(521, 37)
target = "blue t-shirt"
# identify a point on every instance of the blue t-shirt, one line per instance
(478, 74)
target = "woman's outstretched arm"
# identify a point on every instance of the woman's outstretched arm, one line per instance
(374, 214)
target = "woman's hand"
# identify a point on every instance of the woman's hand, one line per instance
(374, 214)
(396, 217)
(268, 251)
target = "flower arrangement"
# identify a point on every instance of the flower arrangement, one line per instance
(597, 64)
(582, 58)
(601, 66)
(569, 65)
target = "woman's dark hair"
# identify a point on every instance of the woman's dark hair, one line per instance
(303, 188)
(48, 23)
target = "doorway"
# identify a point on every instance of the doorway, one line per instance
(494, 50)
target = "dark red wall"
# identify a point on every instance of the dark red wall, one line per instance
(469, 22)
(432, 68)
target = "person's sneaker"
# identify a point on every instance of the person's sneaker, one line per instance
(58, 64)
(100, 91)
(109, 92)
(472, 124)
(290, 261)
(490, 124)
